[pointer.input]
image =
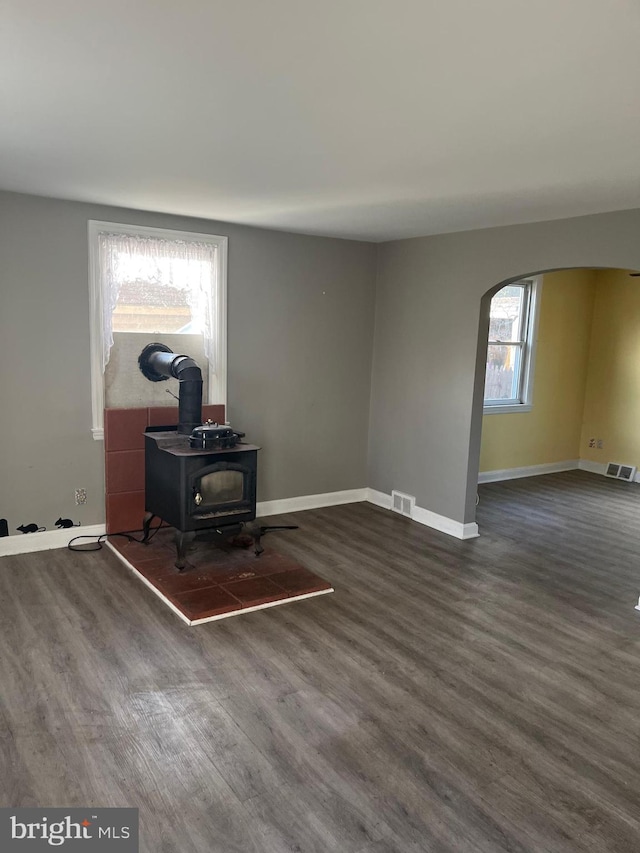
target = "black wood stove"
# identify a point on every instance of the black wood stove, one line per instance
(197, 490)
(199, 478)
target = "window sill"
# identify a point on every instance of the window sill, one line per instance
(514, 408)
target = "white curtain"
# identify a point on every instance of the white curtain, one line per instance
(185, 265)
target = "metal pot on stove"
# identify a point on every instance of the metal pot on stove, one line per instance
(212, 436)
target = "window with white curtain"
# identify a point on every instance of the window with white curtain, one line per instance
(154, 281)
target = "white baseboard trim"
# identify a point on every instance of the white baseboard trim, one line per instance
(529, 471)
(428, 518)
(444, 524)
(47, 540)
(378, 498)
(285, 505)
(592, 467)
(601, 468)
(548, 468)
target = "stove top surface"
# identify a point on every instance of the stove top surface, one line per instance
(178, 445)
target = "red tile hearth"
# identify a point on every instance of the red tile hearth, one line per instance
(219, 580)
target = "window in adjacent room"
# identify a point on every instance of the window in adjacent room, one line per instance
(511, 349)
(153, 282)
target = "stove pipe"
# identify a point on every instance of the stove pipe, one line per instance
(157, 362)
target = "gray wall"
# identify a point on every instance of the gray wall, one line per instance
(300, 337)
(426, 402)
(301, 321)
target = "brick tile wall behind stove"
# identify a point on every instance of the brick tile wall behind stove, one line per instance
(124, 459)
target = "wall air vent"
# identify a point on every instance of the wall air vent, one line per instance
(621, 472)
(402, 503)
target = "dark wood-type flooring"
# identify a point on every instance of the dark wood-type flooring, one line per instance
(450, 696)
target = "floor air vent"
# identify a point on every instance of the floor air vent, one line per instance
(402, 503)
(621, 472)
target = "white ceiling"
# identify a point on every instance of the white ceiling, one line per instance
(369, 119)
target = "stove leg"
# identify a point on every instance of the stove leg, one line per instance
(146, 526)
(259, 532)
(255, 531)
(258, 549)
(184, 538)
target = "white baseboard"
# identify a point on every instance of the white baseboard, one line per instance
(47, 540)
(428, 518)
(280, 507)
(600, 468)
(592, 467)
(444, 524)
(548, 468)
(529, 471)
(378, 498)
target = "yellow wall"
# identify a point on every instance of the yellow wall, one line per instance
(551, 432)
(612, 400)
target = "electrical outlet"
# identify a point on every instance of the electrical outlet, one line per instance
(592, 442)
(81, 496)
(599, 444)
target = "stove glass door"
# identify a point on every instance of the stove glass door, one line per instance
(221, 487)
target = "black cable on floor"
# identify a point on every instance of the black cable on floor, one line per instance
(100, 540)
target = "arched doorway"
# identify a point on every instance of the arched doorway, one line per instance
(581, 411)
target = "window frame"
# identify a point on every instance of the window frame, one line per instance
(217, 384)
(527, 344)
